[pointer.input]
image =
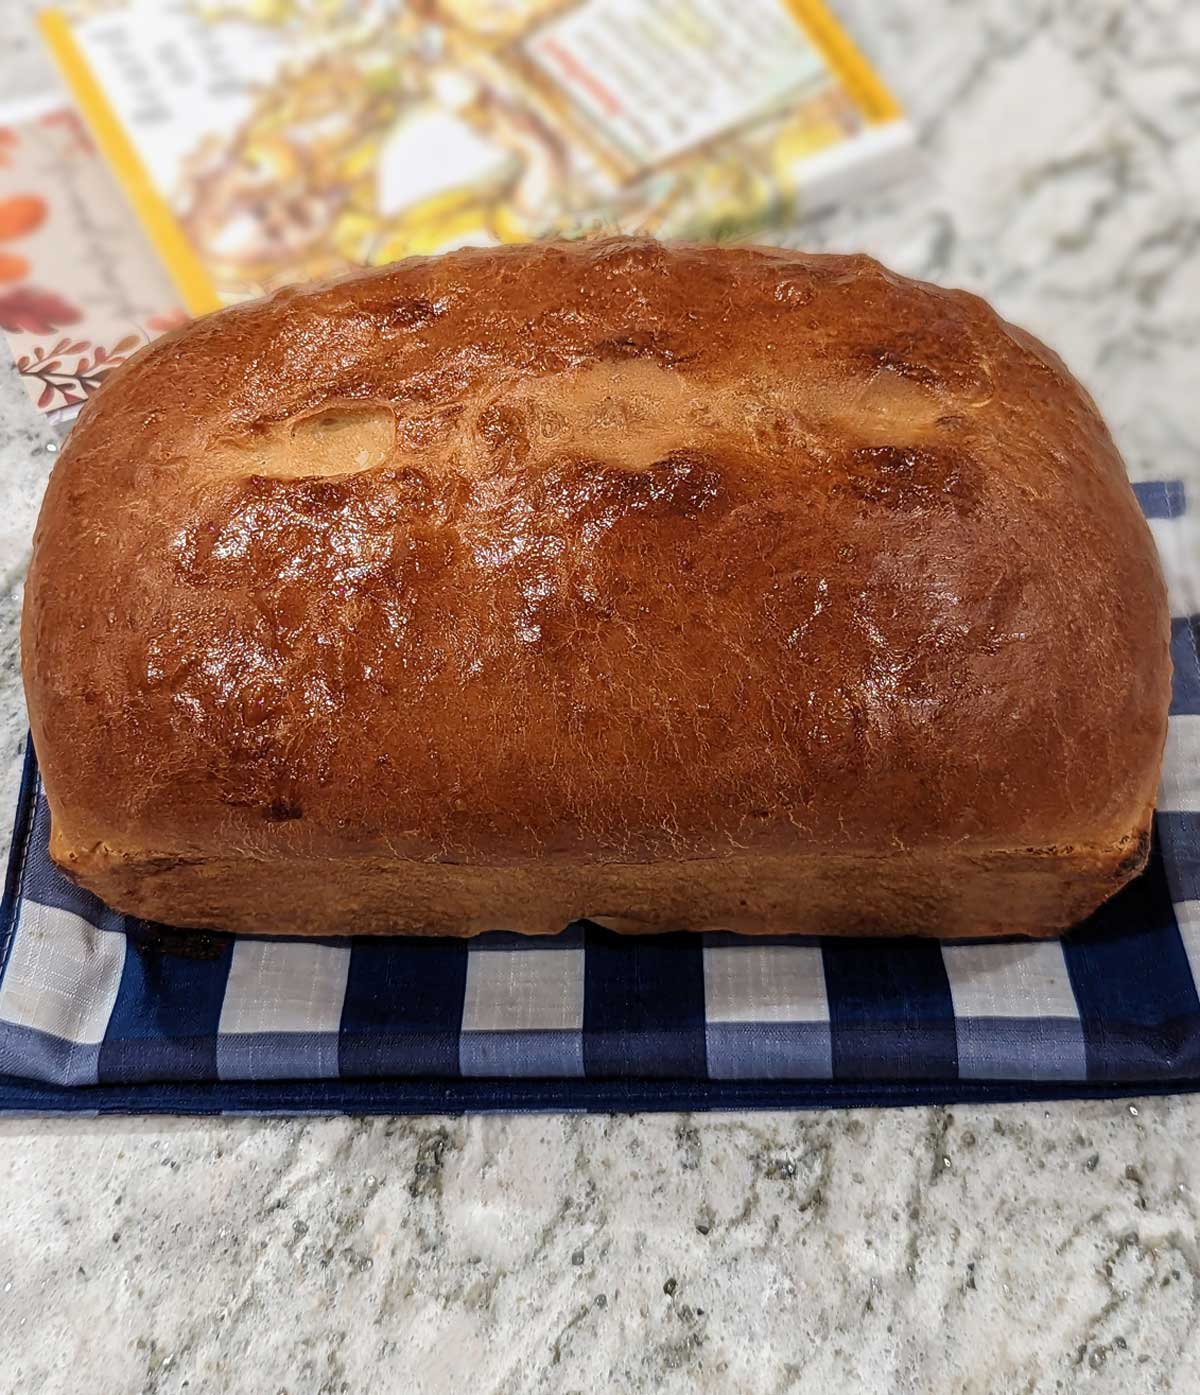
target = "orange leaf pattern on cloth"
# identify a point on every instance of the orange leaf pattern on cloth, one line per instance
(12, 268)
(34, 311)
(63, 386)
(171, 319)
(20, 214)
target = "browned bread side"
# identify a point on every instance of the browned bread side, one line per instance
(670, 586)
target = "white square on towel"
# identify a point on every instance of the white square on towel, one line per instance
(524, 990)
(1177, 539)
(1187, 914)
(63, 975)
(1180, 786)
(765, 983)
(1010, 980)
(285, 987)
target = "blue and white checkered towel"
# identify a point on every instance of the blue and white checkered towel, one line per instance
(95, 1014)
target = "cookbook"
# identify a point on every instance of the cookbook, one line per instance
(262, 142)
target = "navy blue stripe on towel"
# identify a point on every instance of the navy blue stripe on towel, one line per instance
(168, 1009)
(1137, 1001)
(643, 1007)
(880, 993)
(403, 1007)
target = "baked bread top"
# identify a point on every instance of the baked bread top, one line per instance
(603, 550)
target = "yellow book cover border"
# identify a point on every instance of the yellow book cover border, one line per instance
(846, 61)
(178, 256)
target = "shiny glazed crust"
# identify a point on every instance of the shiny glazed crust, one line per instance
(674, 587)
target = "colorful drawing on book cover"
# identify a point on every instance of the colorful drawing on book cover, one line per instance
(289, 139)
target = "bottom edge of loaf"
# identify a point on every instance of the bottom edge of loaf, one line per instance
(955, 892)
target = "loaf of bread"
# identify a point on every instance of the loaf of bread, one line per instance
(666, 587)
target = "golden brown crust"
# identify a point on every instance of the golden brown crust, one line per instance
(597, 556)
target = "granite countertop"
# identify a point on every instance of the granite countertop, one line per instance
(1012, 1249)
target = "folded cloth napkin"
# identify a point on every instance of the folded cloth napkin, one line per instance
(103, 1012)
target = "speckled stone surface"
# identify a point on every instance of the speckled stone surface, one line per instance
(1020, 1249)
